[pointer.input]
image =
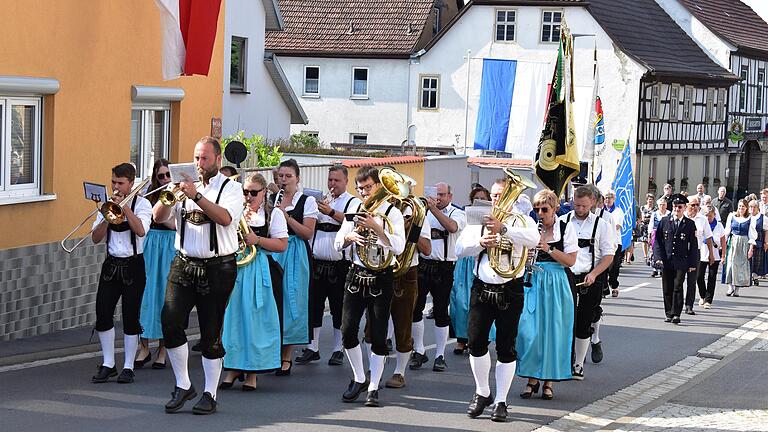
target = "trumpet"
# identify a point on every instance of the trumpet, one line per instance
(112, 212)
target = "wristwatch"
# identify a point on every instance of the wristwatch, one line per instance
(550, 249)
(503, 230)
(332, 213)
(198, 196)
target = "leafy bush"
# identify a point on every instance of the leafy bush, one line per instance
(305, 140)
(260, 154)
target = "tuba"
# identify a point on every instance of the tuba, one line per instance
(413, 225)
(503, 212)
(245, 253)
(371, 254)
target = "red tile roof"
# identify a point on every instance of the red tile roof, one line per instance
(387, 28)
(500, 162)
(732, 20)
(357, 163)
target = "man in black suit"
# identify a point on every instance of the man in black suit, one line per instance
(723, 205)
(677, 251)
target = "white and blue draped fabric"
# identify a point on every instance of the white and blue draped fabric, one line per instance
(545, 332)
(295, 264)
(496, 89)
(737, 271)
(463, 278)
(158, 254)
(251, 332)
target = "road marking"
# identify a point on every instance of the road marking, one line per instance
(635, 287)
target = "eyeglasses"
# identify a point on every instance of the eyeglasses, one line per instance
(541, 209)
(161, 176)
(366, 188)
(253, 193)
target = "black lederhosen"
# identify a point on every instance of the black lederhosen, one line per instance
(371, 292)
(502, 304)
(586, 300)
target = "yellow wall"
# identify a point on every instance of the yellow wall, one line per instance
(413, 170)
(97, 50)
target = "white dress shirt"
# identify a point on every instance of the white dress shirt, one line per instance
(468, 244)
(278, 227)
(703, 231)
(396, 238)
(604, 241)
(197, 237)
(120, 242)
(456, 214)
(322, 243)
(310, 206)
(717, 234)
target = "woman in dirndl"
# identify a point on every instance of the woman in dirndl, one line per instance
(546, 324)
(251, 332)
(758, 262)
(741, 234)
(159, 251)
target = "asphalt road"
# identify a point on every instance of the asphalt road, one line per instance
(636, 342)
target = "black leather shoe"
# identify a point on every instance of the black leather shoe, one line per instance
(206, 405)
(373, 399)
(439, 365)
(126, 376)
(417, 360)
(354, 390)
(478, 404)
(337, 359)
(307, 356)
(196, 347)
(178, 397)
(689, 311)
(138, 364)
(104, 374)
(597, 352)
(676, 320)
(499, 413)
(284, 372)
(668, 319)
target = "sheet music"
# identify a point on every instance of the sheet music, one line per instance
(314, 193)
(482, 203)
(95, 192)
(475, 213)
(178, 172)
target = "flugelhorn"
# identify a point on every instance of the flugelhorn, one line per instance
(112, 212)
(245, 253)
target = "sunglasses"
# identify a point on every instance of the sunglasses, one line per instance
(161, 176)
(541, 209)
(253, 193)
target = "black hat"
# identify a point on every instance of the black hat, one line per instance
(678, 199)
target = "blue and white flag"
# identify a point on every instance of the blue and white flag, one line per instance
(624, 185)
(496, 91)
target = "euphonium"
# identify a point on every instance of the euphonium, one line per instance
(392, 184)
(245, 253)
(413, 225)
(502, 212)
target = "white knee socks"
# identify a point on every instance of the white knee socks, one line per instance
(596, 332)
(402, 362)
(505, 372)
(390, 329)
(481, 369)
(441, 338)
(131, 344)
(179, 357)
(107, 341)
(417, 330)
(315, 344)
(377, 368)
(355, 357)
(212, 369)
(580, 348)
(337, 346)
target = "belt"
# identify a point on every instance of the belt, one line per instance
(222, 259)
(195, 217)
(328, 227)
(495, 294)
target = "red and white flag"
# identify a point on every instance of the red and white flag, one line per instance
(189, 33)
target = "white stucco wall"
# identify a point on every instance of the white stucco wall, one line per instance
(334, 115)
(262, 111)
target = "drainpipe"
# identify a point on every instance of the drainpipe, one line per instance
(466, 101)
(413, 59)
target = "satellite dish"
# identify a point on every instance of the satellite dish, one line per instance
(235, 152)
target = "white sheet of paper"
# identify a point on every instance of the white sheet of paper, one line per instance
(430, 191)
(314, 193)
(481, 203)
(475, 213)
(95, 192)
(178, 172)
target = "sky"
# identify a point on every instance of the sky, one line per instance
(759, 6)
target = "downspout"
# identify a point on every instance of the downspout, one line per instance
(413, 59)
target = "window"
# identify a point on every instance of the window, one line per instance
(652, 168)
(717, 165)
(653, 110)
(759, 96)
(505, 25)
(684, 168)
(436, 27)
(687, 103)
(360, 82)
(550, 26)
(358, 138)
(709, 113)
(671, 168)
(743, 88)
(237, 64)
(312, 81)
(150, 137)
(706, 166)
(20, 146)
(674, 102)
(313, 134)
(721, 108)
(430, 91)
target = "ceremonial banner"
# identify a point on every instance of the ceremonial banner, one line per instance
(496, 89)
(557, 157)
(624, 185)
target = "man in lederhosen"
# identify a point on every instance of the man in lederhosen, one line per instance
(203, 272)
(495, 299)
(436, 275)
(366, 289)
(122, 275)
(330, 266)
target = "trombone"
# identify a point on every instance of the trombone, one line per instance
(113, 213)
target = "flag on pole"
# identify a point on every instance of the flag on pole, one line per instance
(557, 157)
(496, 90)
(189, 33)
(624, 186)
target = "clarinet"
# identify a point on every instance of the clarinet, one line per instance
(532, 261)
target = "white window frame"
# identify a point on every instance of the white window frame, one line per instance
(688, 92)
(552, 25)
(304, 92)
(744, 75)
(315, 134)
(654, 108)
(709, 110)
(760, 95)
(8, 190)
(354, 95)
(721, 106)
(352, 137)
(505, 23)
(674, 102)
(422, 89)
(146, 159)
(237, 88)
